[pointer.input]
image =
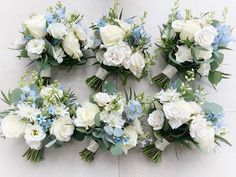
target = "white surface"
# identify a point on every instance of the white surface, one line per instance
(65, 162)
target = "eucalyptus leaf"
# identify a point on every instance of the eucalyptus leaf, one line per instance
(16, 95)
(109, 87)
(79, 136)
(117, 149)
(215, 77)
(214, 108)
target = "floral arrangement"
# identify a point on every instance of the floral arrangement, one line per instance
(193, 43)
(121, 47)
(53, 39)
(181, 115)
(111, 121)
(40, 114)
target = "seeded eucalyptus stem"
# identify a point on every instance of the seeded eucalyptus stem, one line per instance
(34, 155)
(152, 153)
(87, 155)
(161, 81)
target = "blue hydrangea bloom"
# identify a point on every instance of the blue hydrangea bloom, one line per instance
(125, 141)
(49, 17)
(224, 36)
(60, 13)
(179, 16)
(101, 23)
(133, 110)
(217, 120)
(52, 110)
(44, 122)
(27, 92)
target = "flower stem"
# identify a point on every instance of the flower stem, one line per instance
(34, 155)
(87, 155)
(152, 153)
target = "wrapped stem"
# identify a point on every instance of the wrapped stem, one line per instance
(96, 81)
(88, 153)
(46, 75)
(152, 153)
(34, 155)
(162, 80)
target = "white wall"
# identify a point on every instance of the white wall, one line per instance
(65, 162)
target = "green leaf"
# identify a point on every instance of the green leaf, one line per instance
(215, 77)
(24, 53)
(97, 120)
(49, 48)
(117, 149)
(223, 140)
(5, 98)
(212, 108)
(218, 58)
(79, 136)
(109, 87)
(15, 95)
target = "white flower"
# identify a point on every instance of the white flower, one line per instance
(156, 119)
(34, 134)
(183, 54)
(80, 32)
(57, 30)
(12, 126)
(71, 46)
(204, 69)
(189, 29)
(205, 36)
(202, 133)
(86, 115)
(58, 54)
(113, 118)
(177, 25)
(102, 99)
(138, 127)
(202, 54)
(20, 42)
(62, 111)
(62, 128)
(35, 48)
(135, 64)
(125, 26)
(195, 108)
(168, 95)
(27, 112)
(132, 134)
(178, 113)
(116, 55)
(111, 34)
(37, 26)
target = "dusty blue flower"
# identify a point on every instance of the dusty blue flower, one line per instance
(52, 110)
(217, 120)
(129, 20)
(133, 110)
(60, 13)
(49, 17)
(223, 37)
(101, 23)
(44, 122)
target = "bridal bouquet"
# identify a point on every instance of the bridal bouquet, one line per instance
(111, 121)
(53, 39)
(121, 47)
(40, 114)
(182, 116)
(193, 43)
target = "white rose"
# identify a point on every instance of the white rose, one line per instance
(135, 64)
(86, 115)
(132, 134)
(195, 108)
(34, 134)
(37, 26)
(116, 55)
(205, 36)
(156, 119)
(12, 126)
(102, 98)
(57, 30)
(20, 42)
(183, 54)
(177, 25)
(202, 133)
(168, 95)
(204, 69)
(27, 112)
(125, 26)
(178, 113)
(34, 48)
(71, 46)
(189, 29)
(80, 32)
(62, 128)
(111, 34)
(202, 54)
(58, 54)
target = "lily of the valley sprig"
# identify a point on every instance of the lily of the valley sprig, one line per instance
(121, 47)
(54, 38)
(189, 42)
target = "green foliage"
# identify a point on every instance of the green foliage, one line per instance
(34, 155)
(212, 108)
(152, 153)
(109, 87)
(87, 155)
(79, 136)
(117, 149)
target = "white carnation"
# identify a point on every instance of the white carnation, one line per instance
(27, 112)
(113, 118)
(58, 54)
(168, 95)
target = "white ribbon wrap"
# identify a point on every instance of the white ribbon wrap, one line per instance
(161, 144)
(170, 71)
(46, 72)
(93, 146)
(101, 73)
